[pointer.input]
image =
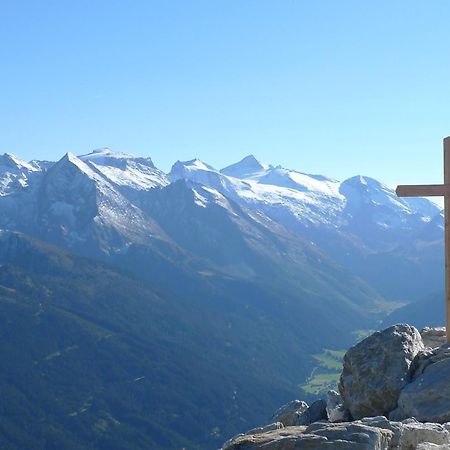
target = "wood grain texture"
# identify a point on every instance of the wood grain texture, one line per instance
(447, 235)
(423, 190)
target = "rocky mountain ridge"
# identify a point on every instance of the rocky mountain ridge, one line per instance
(102, 203)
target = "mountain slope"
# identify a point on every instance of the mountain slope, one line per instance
(426, 312)
(356, 222)
(253, 263)
(94, 358)
(243, 245)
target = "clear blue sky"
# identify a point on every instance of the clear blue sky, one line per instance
(323, 86)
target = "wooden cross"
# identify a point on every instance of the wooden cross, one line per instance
(435, 190)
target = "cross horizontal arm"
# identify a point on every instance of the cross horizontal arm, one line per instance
(423, 190)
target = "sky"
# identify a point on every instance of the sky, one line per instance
(331, 87)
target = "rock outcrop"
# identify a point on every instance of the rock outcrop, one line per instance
(289, 414)
(390, 373)
(298, 412)
(336, 411)
(345, 436)
(317, 411)
(377, 369)
(427, 397)
(433, 337)
(374, 433)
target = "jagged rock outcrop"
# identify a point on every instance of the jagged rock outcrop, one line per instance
(390, 371)
(289, 414)
(376, 369)
(298, 412)
(433, 337)
(336, 411)
(410, 433)
(370, 433)
(348, 436)
(317, 411)
(427, 397)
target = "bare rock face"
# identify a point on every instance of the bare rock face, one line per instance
(414, 434)
(377, 369)
(336, 411)
(289, 414)
(433, 337)
(430, 446)
(427, 397)
(298, 413)
(383, 422)
(374, 433)
(265, 429)
(409, 434)
(343, 436)
(317, 411)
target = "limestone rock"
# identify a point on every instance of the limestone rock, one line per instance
(317, 411)
(383, 422)
(376, 369)
(404, 436)
(265, 429)
(409, 434)
(413, 434)
(369, 433)
(288, 414)
(427, 397)
(255, 431)
(284, 439)
(430, 446)
(390, 372)
(426, 358)
(353, 432)
(336, 411)
(433, 337)
(345, 436)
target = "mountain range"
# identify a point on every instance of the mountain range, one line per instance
(191, 273)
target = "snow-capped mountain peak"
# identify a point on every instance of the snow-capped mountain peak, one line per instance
(114, 186)
(299, 181)
(8, 160)
(15, 173)
(363, 190)
(70, 160)
(107, 157)
(106, 150)
(194, 170)
(124, 170)
(245, 168)
(193, 165)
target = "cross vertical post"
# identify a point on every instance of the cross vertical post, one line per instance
(447, 234)
(442, 190)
